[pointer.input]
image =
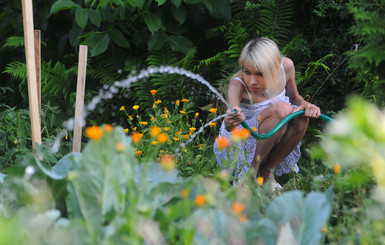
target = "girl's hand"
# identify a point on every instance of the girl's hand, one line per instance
(310, 109)
(234, 119)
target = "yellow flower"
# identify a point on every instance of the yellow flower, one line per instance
(143, 123)
(136, 137)
(158, 101)
(184, 193)
(259, 118)
(15, 141)
(223, 142)
(213, 110)
(213, 124)
(196, 114)
(184, 100)
(135, 107)
(192, 129)
(152, 118)
(237, 208)
(200, 200)
(162, 138)
(260, 180)
(177, 102)
(166, 129)
(138, 153)
(254, 129)
(153, 92)
(122, 108)
(337, 168)
(167, 162)
(155, 142)
(126, 130)
(94, 132)
(134, 129)
(119, 147)
(176, 139)
(182, 112)
(155, 131)
(242, 218)
(129, 117)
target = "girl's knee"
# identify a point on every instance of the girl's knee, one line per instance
(282, 110)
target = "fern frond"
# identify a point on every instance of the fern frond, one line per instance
(14, 42)
(16, 69)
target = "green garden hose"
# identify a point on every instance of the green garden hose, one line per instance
(279, 125)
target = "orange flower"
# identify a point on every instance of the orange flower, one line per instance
(155, 131)
(184, 100)
(165, 109)
(337, 168)
(259, 118)
(153, 92)
(136, 137)
(196, 114)
(155, 142)
(237, 208)
(240, 134)
(223, 142)
(94, 132)
(108, 128)
(158, 101)
(167, 162)
(200, 200)
(177, 102)
(138, 153)
(213, 124)
(119, 147)
(254, 129)
(242, 218)
(166, 129)
(184, 193)
(186, 136)
(260, 181)
(162, 138)
(324, 230)
(213, 110)
(200, 146)
(122, 108)
(135, 107)
(143, 123)
(182, 112)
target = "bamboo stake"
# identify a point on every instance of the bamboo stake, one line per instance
(82, 67)
(38, 65)
(31, 71)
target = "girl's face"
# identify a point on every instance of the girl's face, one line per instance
(254, 80)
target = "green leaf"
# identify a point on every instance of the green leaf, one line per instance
(98, 43)
(63, 5)
(160, 2)
(118, 37)
(81, 17)
(179, 14)
(95, 17)
(153, 22)
(136, 3)
(193, 1)
(219, 9)
(157, 41)
(180, 44)
(176, 2)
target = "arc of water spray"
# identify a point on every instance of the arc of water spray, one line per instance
(109, 91)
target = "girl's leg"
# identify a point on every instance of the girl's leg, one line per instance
(272, 152)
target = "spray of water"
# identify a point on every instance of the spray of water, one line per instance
(108, 92)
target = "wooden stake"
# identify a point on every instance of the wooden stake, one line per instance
(38, 65)
(31, 71)
(82, 67)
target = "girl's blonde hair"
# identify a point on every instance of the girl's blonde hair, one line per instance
(263, 54)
